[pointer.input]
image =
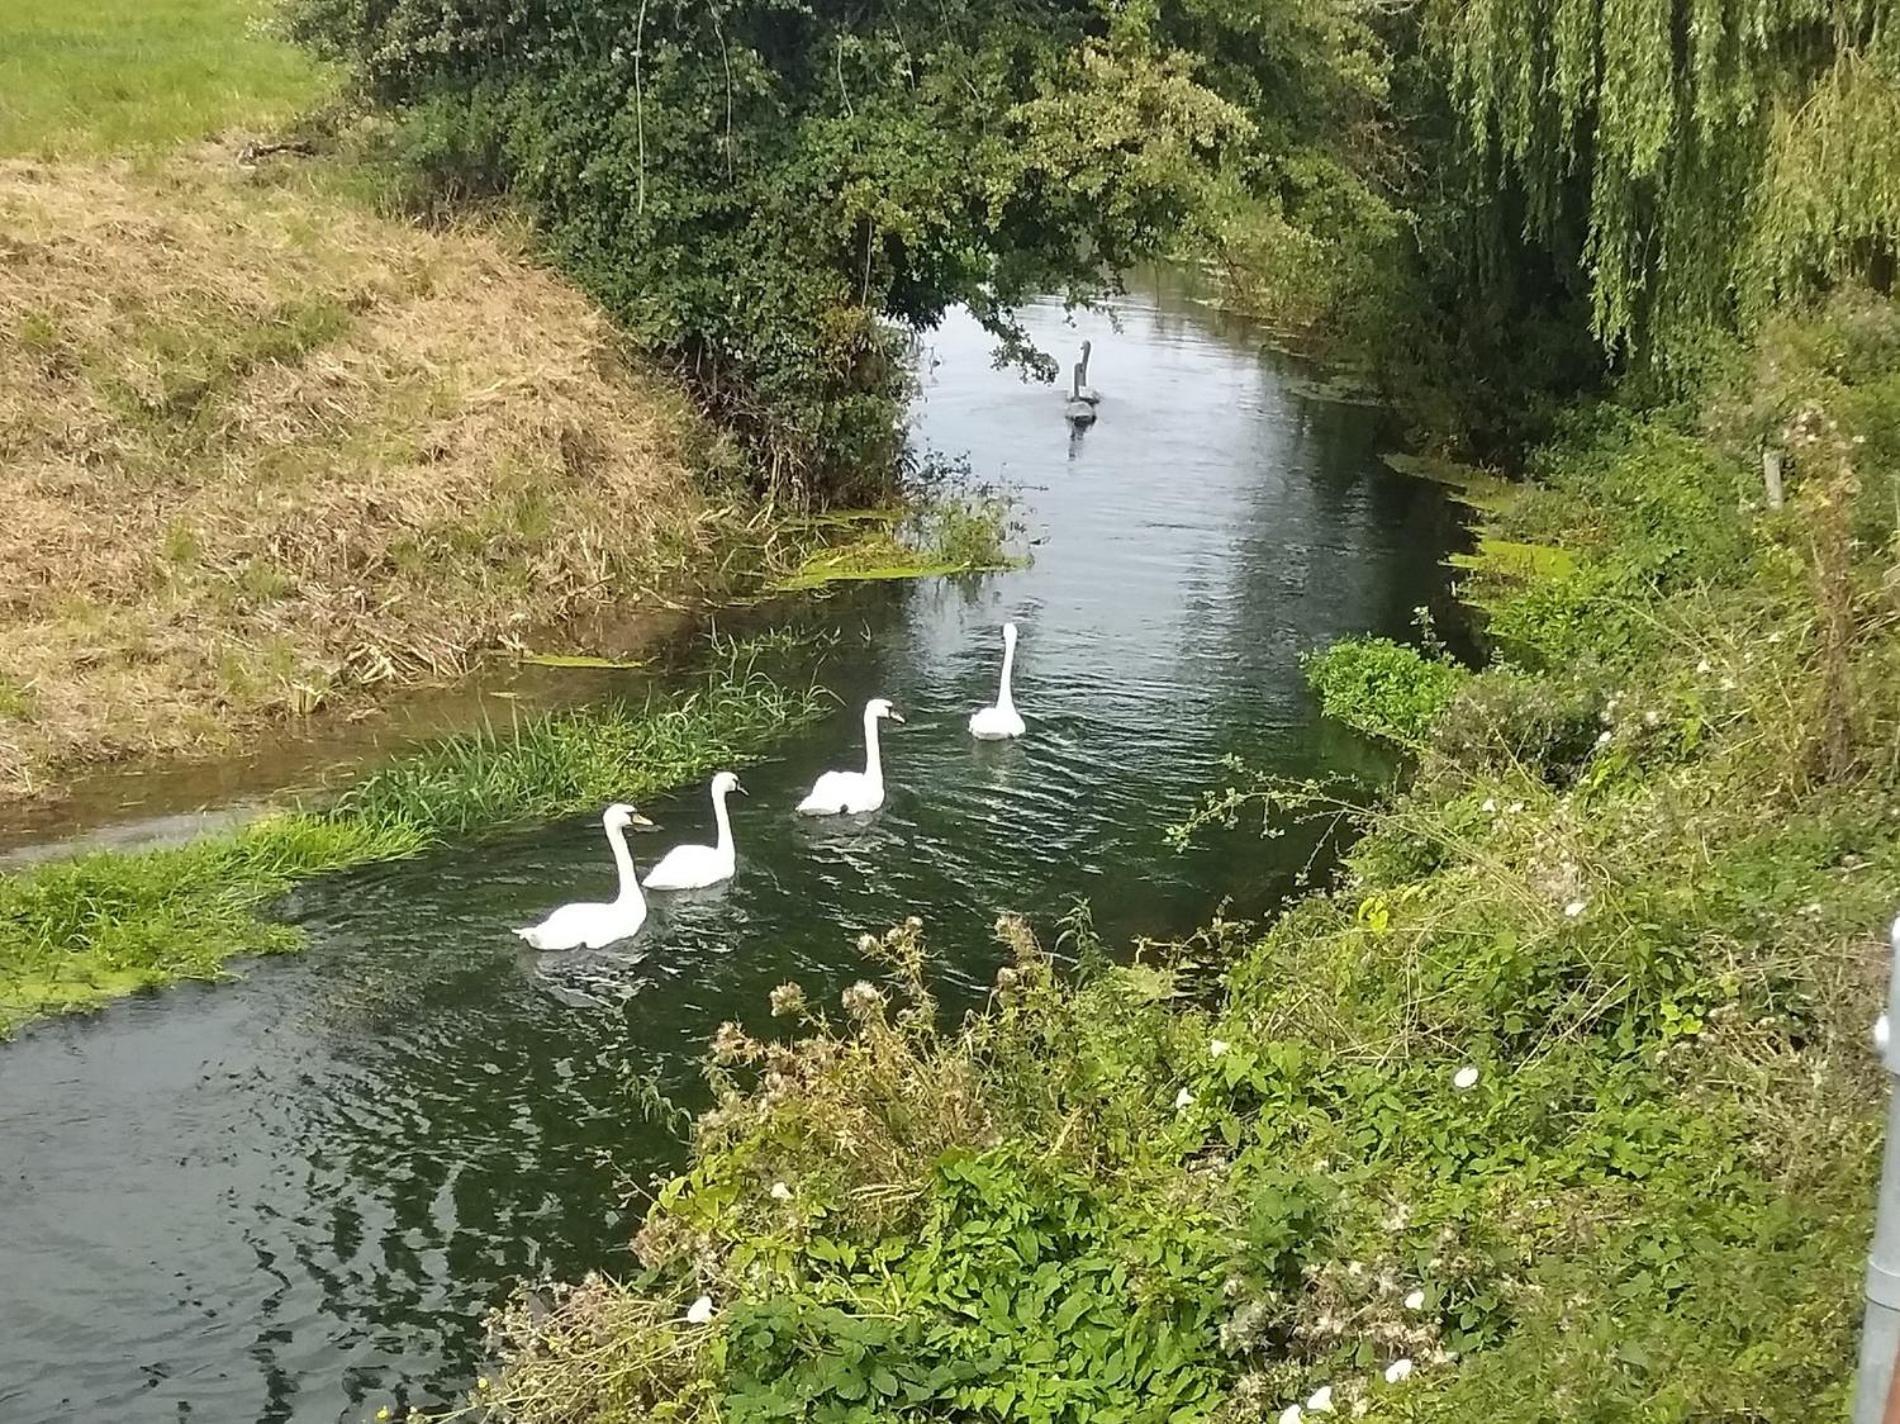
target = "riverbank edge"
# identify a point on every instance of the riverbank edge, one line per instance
(77, 933)
(1559, 1102)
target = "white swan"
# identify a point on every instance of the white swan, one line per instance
(998, 723)
(1083, 390)
(1078, 410)
(691, 867)
(839, 793)
(593, 925)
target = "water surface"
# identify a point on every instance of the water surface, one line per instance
(293, 1198)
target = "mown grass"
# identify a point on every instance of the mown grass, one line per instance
(1558, 1106)
(74, 934)
(119, 76)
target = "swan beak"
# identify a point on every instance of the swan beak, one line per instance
(739, 787)
(638, 820)
(897, 717)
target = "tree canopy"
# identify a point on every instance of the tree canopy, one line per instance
(1713, 155)
(770, 190)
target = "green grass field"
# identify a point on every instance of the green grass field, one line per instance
(125, 76)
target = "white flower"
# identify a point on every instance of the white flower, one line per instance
(1515, 807)
(1774, 637)
(1415, 1301)
(1728, 684)
(1575, 908)
(781, 1192)
(1398, 1371)
(1321, 1401)
(1605, 738)
(1216, 1047)
(1490, 804)
(1465, 1077)
(1702, 666)
(701, 1311)
(1290, 1415)
(1651, 717)
(1183, 1099)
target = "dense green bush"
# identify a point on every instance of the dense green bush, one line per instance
(771, 191)
(1383, 688)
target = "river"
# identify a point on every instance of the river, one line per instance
(294, 1197)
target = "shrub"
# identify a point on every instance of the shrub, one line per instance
(1383, 688)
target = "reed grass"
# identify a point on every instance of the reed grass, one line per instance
(75, 934)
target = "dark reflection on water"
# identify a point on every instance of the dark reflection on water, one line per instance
(293, 1198)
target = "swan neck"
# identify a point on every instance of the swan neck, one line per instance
(1003, 698)
(1075, 381)
(1084, 368)
(724, 822)
(623, 862)
(873, 758)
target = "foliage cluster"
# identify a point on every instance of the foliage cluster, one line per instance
(1383, 688)
(769, 192)
(75, 933)
(1697, 158)
(1557, 1106)
(899, 1221)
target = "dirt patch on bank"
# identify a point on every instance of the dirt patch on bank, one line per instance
(262, 451)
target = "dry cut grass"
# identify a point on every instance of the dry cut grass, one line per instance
(263, 452)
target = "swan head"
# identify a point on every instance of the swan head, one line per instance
(1086, 348)
(620, 815)
(881, 707)
(727, 781)
(1009, 632)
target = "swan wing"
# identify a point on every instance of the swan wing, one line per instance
(994, 724)
(687, 867)
(829, 794)
(567, 928)
(615, 923)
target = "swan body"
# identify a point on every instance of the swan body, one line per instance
(590, 926)
(1083, 390)
(692, 867)
(1002, 721)
(1079, 411)
(842, 793)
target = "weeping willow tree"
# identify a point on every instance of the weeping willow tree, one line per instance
(1702, 158)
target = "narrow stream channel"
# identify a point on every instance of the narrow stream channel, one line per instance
(294, 1197)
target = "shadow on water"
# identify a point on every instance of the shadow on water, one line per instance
(293, 1198)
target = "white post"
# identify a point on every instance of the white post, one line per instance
(1771, 475)
(1880, 1331)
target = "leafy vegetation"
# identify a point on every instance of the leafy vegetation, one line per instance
(78, 932)
(769, 193)
(944, 532)
(1383, 688)
(1696, 158)
(1556, 1106)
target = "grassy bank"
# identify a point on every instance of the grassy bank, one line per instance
(1558, 1106)
(118, 76)
(270, 453)
(77, 933)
